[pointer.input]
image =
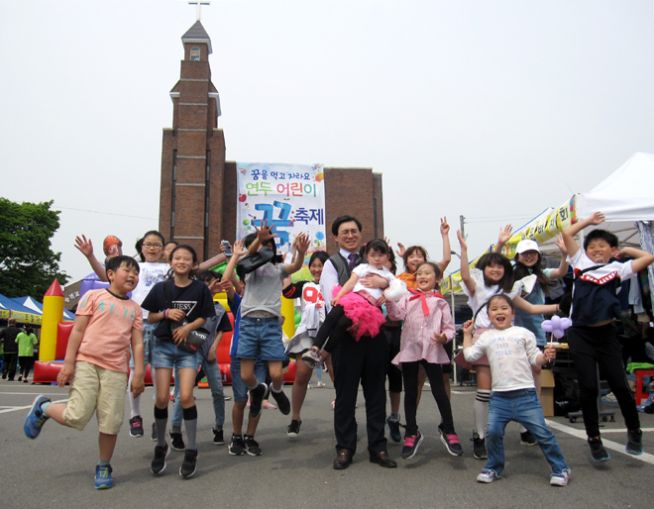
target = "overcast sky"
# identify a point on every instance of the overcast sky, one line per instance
(491, 109)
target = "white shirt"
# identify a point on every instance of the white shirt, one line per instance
(329, 278)
(362, 270)
(511, 353)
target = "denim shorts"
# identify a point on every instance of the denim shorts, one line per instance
(166, 355)
(260, 338)
(239, 390)
(148, 343)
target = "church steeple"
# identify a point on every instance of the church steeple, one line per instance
(196, 35)
(193, 155)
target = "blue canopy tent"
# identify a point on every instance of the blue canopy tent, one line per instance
(37, 307)
(18, 312)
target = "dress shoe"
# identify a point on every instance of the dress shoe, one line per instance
(382, 459)
(343, 459)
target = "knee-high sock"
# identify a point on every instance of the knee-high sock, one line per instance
(161, 421)
(481, 411)
(191, 424)
(134, 402)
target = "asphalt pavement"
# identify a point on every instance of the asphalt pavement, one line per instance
(56, 470)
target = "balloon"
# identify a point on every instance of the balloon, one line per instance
(556, 326)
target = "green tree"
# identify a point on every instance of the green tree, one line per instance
(27, 263)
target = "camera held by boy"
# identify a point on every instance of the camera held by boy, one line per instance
(108, 323)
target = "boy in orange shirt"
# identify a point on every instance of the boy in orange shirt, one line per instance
(108, 322)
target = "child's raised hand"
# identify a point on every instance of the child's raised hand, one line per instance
(561, 245)
(238, 249)
(462, 240)
(401, 249)
(441, 338)
(302, 243)
(504, 235)
(468, 326)
(265, 233)
(596, 218)
(445, 227)
(84, 245)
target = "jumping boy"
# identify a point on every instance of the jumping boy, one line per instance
(592, 338)
(108, 322)
(260, 331)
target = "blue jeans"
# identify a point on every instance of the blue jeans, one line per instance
(214, 378)
(260, 338)
(522, 406)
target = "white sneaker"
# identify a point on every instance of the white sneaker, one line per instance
(487, 476)
(561, 479)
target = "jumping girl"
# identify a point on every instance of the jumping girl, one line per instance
(313, 314)
(178, 306)
(428, 325)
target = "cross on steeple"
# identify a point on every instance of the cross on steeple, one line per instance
(198, 6)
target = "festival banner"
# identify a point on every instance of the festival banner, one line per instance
(544, 227)
(288, 197)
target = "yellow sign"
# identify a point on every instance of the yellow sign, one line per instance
(543, 228)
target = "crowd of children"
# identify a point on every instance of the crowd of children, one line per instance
(171, 322)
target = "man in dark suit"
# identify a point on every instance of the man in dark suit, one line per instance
(356, 362)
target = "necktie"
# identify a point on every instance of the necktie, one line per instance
(353, 258)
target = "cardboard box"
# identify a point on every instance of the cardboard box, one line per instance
(547, 392)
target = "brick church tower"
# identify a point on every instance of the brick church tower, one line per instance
(193, 153)
(197, 204)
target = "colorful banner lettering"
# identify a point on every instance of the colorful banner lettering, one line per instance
(288, 197)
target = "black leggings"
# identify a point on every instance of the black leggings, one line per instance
(590, 347)
(325, 338)
(435, 376)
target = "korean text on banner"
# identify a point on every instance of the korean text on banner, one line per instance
(288, 197)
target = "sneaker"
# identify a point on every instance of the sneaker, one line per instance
(136, 427)
(218, 438)
(479, 448)
(158, 464)
(561, 479)
(35, 418)
(451, 442)
(394, 429)
(411, 445)
(252, 446)
(526, 438)
(487, 476)
(256, 398)
(153, 435)
(189, 465)
(103, 480)
(312, 357)
(293, 428)
(236, 446)
(283, 403)
(177, 442)
(634, 442)
(597, 451)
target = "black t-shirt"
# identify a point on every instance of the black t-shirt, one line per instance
(8, 334)
(195, 300)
